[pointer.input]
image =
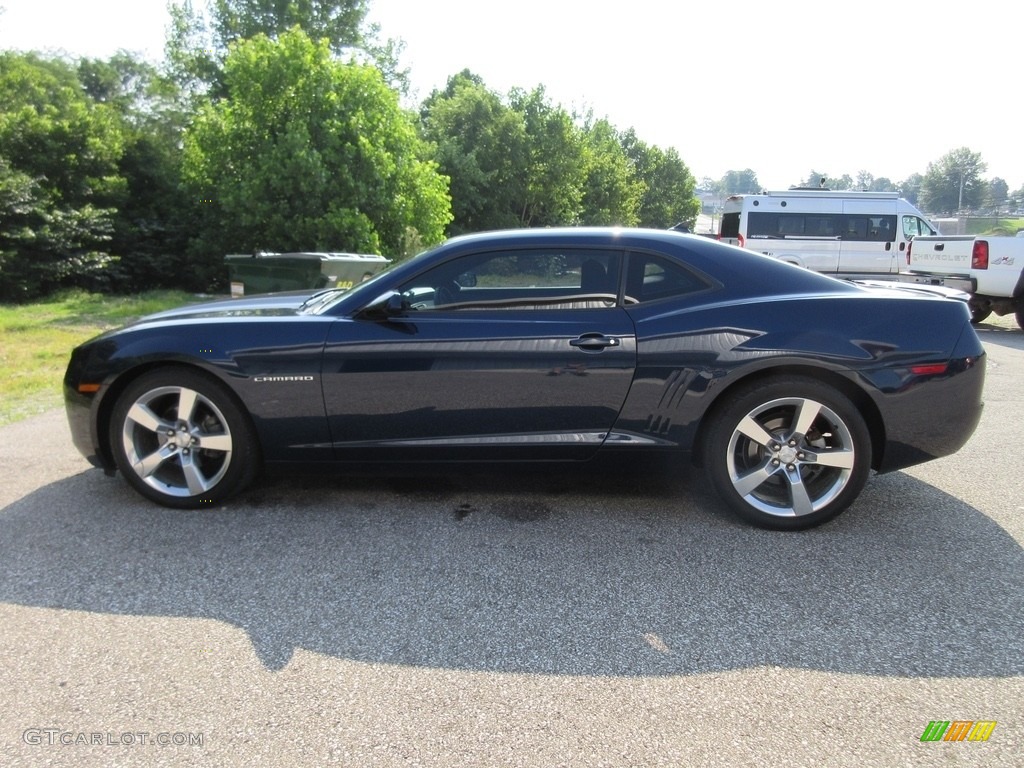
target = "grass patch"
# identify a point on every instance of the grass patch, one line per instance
(981, 225)
(37, 340)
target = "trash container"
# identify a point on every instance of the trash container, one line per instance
(273, 272)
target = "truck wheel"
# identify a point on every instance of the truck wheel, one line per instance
(979, 314)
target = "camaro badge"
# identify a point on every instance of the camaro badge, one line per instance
(261, 379)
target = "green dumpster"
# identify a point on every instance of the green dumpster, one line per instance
(273, 272)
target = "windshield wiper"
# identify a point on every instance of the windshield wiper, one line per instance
(320, 297)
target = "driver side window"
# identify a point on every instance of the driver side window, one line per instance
(540, 278)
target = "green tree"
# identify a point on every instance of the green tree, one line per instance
(308, 153)
(953, 182)
(59, 152)
(524, 162)
(815, 180)
(739, 183)
(480, 144)
(151, 227)
(338, 21)
(998, 193)
(612, 193)
(1016, 199)
(910, 188)
(668, 186)
(199, 38)
(556, 164)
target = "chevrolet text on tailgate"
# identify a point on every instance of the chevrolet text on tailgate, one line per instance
(990, 269)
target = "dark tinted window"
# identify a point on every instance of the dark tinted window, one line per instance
(528, 278)
(821, 225)
(652, 277)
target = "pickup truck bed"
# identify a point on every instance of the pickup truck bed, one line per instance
(990, 269)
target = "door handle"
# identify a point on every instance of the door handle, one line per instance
(594, 342)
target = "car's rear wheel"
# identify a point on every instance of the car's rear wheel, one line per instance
(1020, 319)
(788, 453)
(179, 439)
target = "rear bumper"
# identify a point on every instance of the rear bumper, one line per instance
(929, 422)
(959, 282)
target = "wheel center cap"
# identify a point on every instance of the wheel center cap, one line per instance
(179, 438)
(787, 455)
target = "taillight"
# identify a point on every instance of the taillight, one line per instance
(929, 369)
(979, 255)
(910, 245)
(741, 241)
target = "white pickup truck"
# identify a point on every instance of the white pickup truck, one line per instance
(990, 269)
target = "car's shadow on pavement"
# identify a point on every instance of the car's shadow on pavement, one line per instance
(593, 571)
(1001, 334)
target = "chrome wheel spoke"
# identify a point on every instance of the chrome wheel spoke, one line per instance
(147, 465)
(220, 442)
(754, 431)
(750, 482)
(186, 403)
(840, 458)
(194, 478)
(807, 412)
(802, 503)
(145, 418)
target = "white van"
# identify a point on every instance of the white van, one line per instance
(844, 233)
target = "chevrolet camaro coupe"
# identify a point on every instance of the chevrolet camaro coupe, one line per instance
(787, 386)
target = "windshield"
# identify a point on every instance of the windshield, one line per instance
(320, 302)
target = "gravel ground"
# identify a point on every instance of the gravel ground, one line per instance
(607, 616)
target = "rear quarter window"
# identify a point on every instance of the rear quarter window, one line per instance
(652, 277)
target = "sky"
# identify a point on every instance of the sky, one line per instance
(782, 87)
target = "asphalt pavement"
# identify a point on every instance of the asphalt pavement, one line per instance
(605, 616)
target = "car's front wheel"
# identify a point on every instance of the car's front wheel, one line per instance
(788, 453)
(179, 439)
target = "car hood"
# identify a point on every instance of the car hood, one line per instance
(264, 305)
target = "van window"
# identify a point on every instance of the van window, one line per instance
(872, 229)
(855, 228)
(913, 226)
(730, 226)
(820, 226)
(776, 225)
(881, 229)
(763, 225)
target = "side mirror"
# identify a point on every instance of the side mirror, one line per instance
(385, 306)
(466, 280)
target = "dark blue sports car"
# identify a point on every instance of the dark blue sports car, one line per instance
(787, 386)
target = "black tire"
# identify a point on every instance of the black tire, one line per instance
(788, 454)
(1020, 319)
(185, 463)
(980, 314)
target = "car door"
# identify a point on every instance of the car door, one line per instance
(506, 354)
